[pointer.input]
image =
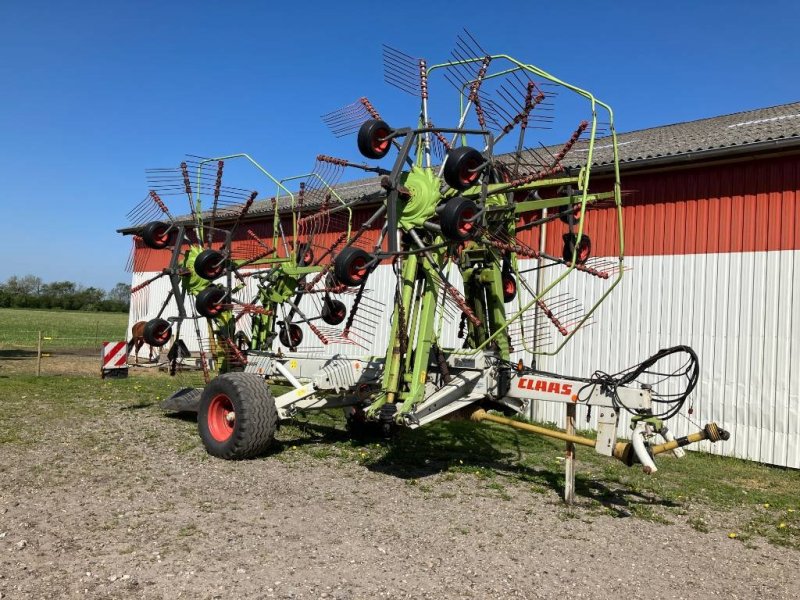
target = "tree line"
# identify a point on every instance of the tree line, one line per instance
(31, 292)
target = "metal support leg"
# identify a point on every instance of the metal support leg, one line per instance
(569, 469)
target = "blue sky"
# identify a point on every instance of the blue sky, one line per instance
(92, 93)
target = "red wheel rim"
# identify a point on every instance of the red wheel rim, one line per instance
(213, 271)
(358, 268)
(465, 225)
(221, 418)
(161, 235)
(467, 174)
(509, 286)
(162, 334)
(378, 144)
(583, 252)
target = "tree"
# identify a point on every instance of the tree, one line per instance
(120, 293)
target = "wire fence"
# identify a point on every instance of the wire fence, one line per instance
(39, 352)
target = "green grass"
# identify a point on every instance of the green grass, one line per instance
(19, 328)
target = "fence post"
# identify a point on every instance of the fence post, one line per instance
(39, 355)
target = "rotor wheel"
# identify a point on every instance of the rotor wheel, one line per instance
(237, 417)
(584, 248)
(462, 167)
(509, 287)
(333, 311)
(209, 302)
(352, 266)
(456, 219)
(156, 235)
(291, 336)
(209, 264)
(157, 332)
(372, 141)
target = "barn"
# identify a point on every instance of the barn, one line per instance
(712, 245)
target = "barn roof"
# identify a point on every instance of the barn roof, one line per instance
(739, 133)
(734, 133)
(724, 135)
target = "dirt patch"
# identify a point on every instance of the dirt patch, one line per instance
(114, 500)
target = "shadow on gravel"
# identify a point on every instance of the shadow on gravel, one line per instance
(189, 417)
(139, 406)
(17, 354)
(459, 447)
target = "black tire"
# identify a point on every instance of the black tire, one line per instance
(251, 429)
(351, 266)
(157, 332)
(305, 255)
(156, 235)
(509, 287)
(455, 219)
(333, 311)
(209, 264)
(371, 142)
(570, 214)
(209, 302)
(460, 168)
(291, 336)
(584, 251)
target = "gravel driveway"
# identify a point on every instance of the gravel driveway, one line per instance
(122, 502)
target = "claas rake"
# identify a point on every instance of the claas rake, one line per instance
(476, 300)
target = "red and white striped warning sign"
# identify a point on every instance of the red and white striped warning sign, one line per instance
(115, 355)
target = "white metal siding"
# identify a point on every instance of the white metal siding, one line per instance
(739, 311)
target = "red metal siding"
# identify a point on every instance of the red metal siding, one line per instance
(741, 207)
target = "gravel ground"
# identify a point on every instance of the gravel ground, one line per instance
(127, 505)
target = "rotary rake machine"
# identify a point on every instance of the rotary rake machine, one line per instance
(475, 298)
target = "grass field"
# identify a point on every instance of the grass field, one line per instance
(19, 328)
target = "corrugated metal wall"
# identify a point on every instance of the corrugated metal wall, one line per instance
(714, 264)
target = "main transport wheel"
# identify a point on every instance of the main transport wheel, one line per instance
(461, 168)
(372, 141)
(237, 417)
(157, 332)
(351, 266)
(455, 219)
(584, 248)
(156, 235)
(333, 311)
(209, 264)
(210, 302)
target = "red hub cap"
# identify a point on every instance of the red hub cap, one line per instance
(221, 418)
(358, 268)
(162, 334)
(378, 143)
(465, 225)
(468, 174)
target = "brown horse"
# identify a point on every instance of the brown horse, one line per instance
(137, 340)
